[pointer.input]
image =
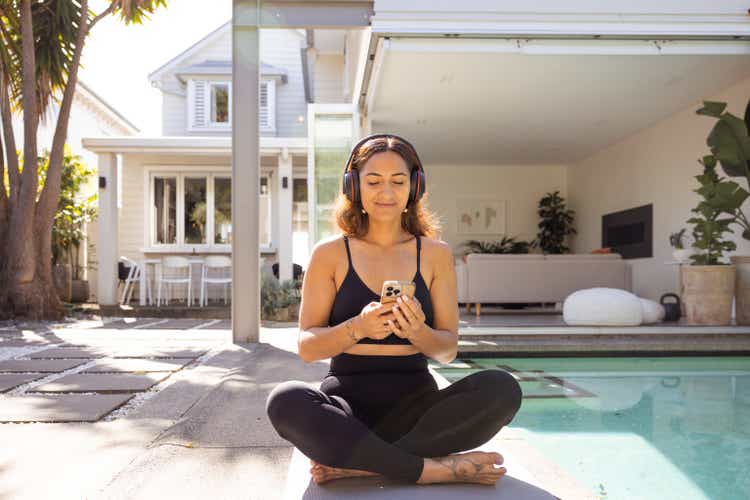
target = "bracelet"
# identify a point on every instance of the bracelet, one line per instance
(350, 329)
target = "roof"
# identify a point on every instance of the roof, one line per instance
(209, 67)
(197, 46)
(107, 107)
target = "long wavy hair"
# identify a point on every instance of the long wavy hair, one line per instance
(418, 220)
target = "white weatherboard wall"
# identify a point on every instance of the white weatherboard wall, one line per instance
(522, 186)
(655, 165)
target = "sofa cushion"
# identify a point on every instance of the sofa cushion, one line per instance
(602, 306)
(653, 312)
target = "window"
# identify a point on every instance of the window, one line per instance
(210, 105)
(164, 220)
(196, 197)
(219, 100)
(222, 210)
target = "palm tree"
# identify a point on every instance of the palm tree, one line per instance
(41, 43)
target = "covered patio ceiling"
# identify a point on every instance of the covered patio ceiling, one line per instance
(507, 101)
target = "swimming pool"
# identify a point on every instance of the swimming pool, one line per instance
(632, 428)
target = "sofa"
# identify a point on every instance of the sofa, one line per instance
(513, 278)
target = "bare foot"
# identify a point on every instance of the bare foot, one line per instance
(471, 467)
(323, 473)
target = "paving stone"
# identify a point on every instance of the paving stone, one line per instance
(22, 343)
(136, 365)
(103, 382)
(158, 353)
(39, 365)
(68, 353)
(60, 407)
(9, 381)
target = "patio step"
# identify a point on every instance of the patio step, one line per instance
(622, 344)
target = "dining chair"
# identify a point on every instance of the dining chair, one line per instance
(175, 270)
(217, 270)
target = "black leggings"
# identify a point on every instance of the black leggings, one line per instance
(387, 422)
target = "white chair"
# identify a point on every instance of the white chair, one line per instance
(175, 270)
(134, 276)
(221, 268)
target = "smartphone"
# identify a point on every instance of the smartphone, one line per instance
(392, 289)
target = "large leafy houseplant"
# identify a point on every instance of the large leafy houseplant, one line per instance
(730, 147)
(556, 224)
(708, 227)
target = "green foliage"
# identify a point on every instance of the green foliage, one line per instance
(555, 225)
(73, 212)
(275, 295)
(708, 227)
(506, 245)
(730, 146)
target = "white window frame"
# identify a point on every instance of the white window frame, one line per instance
(180, 173)
(210, 125)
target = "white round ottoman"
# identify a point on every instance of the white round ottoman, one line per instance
(602, 306)
(653, 312)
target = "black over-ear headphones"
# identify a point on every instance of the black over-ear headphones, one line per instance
(350, 184)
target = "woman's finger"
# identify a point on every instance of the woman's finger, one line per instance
(403, 322)
(395, 329)
(408, 310)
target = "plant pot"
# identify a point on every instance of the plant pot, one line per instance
(742, 289)
(682, 254)
(80, 291)
(62, 275)
(707, 293)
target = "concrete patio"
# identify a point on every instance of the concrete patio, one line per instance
(140, 408)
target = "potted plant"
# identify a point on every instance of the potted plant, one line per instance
(555, 225)
(279, 300)
(707, 284)
(730, 145)
(70, 223)
(681, 253)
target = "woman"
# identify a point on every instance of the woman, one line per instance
(378, 410)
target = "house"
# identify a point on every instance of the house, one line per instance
(503, 104)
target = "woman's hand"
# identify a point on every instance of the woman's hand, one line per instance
(409, 316)
(375, 321)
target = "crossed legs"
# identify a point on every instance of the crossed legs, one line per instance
(459, 417)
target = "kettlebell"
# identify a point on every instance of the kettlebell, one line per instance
(672, 311)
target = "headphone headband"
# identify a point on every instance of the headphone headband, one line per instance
(347, 166)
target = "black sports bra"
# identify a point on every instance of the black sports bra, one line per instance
(354, 294)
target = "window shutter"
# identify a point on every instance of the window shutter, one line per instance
(200, 106)
(263, 110)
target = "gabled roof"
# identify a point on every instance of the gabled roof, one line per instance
(197, 46)
(106, 107)
(190, 50)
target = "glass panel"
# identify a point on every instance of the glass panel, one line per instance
(220, 103)
(165, 210)
(264, 204)
(300, 223)
(333, 142)
(222, 210)
(195, 210)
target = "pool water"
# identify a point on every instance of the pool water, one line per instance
(636, 428)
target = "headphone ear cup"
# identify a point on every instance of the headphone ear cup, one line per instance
(351, 185)
(417, 185)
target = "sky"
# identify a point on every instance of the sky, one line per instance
(118, 58)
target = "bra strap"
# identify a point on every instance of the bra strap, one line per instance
(348, 253)
(419, 247)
